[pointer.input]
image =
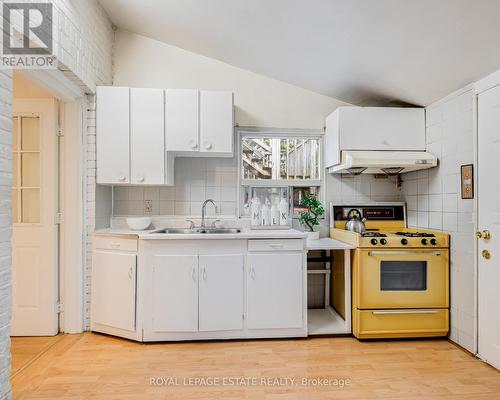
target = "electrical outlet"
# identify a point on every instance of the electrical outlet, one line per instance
(148, 206)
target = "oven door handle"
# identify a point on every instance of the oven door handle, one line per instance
(405, 312)
(402, 253)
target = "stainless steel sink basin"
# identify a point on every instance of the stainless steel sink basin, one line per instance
(198, 230)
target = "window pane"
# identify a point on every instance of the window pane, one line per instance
(30, 169)
(298, 195)
(15, 172)
(14, 205)
(30, 205)
(30, 133)
(280, 158)
(14, 133)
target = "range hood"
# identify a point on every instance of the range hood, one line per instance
(382, 162)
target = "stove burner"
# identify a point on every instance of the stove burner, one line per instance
(414, 234)
(373, 234)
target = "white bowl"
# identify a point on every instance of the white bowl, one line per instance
(139, 223)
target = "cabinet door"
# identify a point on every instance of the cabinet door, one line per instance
(221, 292)
(113, 289)
(147, 136)
(275, 291)
(113, 134)
(182, 120)
(175, 293)
(216, 122)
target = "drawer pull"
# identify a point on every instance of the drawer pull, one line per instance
(396, 312)
(276, 245)
(131, 272)
(115, 245)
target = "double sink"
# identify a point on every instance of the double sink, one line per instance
(198, 230)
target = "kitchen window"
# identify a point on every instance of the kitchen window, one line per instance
(277, 163)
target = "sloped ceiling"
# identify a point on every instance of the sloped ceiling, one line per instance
(360, 51)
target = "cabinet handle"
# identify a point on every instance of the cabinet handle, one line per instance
(204, 273)
(114, 245)
(121, 178)
(252, 272)
(193, 144)
(140, 178)
(404, 312)
(208, 145)
(131, 272)
(276, 246)
(193, 273)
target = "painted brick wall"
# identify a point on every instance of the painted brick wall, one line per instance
(83, 45)
(5, 228)
(434, 201)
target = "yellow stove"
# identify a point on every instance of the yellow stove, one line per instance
(400, 276)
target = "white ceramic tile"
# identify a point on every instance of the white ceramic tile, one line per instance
(229, 179)
(450, 202)
(166, 207)
(167, 193)
(423, 185)
(411, 187)
(435, 220)
(411, 203)
(436, 202)
(152, 193)
(450, 221)
(422, 219)
(120, 192)
(182, 208)
(213, 192)
(423, 203)
(198, 193)
(412, 219)
(136, 193)
(450, 183)
(182, 192)
(228, 194)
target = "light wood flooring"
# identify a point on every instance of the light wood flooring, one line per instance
(93, 366)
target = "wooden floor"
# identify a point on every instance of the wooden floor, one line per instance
(92, 366)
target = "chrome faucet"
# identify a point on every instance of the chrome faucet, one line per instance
(203, 210)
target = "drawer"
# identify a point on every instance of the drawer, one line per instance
(115, 243)
(275, 245)
(400, 323)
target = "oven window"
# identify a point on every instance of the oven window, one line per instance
(403, 275)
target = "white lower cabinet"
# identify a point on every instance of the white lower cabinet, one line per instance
(197, 293)
(221, 292)
(114, 290)
(275, 291)
(175, 293)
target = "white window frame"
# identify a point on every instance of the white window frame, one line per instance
(242, 132)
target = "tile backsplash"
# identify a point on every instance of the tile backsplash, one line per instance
(196, 179)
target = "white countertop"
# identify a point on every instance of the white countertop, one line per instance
(328, 244)
(244, 234)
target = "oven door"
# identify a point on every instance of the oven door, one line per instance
(402, 279)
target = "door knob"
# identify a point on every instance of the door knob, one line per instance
(486, 235)
(486, 254)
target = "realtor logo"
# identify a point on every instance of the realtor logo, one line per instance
(27, 35)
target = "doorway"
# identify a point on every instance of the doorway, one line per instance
(47, 186)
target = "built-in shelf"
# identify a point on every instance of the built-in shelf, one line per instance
(325, 321)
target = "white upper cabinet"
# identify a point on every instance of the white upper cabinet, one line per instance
(216, 122)
(147, 138)
(113, 135)
(373, 128)
(182, 117)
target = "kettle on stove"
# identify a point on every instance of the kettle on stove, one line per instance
(355, 221)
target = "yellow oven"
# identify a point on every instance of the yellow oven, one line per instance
(401, 278)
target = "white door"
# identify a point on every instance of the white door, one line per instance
(489, 219)
(34, 205)
(216, 122)
(113, 134)
(175, 293)
(113, 289)
(274, 291)
(221, 292)
(147, 137)
(182, 119)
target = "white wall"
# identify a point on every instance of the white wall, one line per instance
(260, 101)
(434, 201)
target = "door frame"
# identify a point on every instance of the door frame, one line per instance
(72, 193)
(479, 87)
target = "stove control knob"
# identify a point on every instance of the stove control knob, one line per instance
(383, 241)
(373, 241)
(424, 241)
(404, 242)
(434, 242)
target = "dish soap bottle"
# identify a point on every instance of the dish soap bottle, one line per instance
(283, 210)
(255, 212)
